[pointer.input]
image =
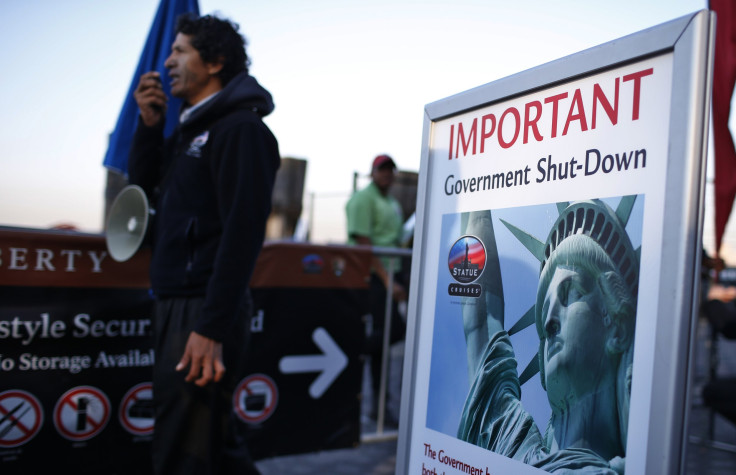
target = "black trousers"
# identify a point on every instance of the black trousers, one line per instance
(196, 430)
(722, 315)
(720, 395)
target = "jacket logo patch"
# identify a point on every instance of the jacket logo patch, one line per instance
(195, 148)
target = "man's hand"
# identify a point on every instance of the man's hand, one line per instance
(204, 358)
(151, 98)
(722, 293)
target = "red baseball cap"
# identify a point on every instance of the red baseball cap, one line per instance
(382, 160)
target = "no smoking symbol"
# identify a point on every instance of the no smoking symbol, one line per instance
(20, 418)
(81, 413)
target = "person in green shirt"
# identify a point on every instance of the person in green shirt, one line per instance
(374, 219)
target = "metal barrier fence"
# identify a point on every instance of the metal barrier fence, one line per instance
(383, 385)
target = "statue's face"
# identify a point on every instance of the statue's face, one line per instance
(574, 336)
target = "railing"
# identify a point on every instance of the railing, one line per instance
(382, 389)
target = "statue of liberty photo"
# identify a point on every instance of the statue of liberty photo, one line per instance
(585, 315)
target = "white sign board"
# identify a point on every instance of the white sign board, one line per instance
(554, 268)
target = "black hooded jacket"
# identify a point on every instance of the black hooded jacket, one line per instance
(210, 184)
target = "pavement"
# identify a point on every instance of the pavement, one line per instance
(711, 449)
(376, 452)
(712, 439)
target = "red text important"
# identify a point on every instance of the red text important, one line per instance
(566, 112)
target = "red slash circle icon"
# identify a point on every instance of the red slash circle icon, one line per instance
(255, 398)
(21, 417)
(136, 410)
(81, 413)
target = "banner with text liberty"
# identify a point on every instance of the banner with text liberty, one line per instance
(558, 236)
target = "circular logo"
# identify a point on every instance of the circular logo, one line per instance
(467, 259)
(313, 264)
(21, 417)
(255, 398)
(81, 413)
(136, 410)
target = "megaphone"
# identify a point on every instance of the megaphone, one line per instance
(127, 223)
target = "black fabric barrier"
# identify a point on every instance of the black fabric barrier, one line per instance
(292, 319)
(76, 354)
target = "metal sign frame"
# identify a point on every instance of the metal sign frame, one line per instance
(689, 41)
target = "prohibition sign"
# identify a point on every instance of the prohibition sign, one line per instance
(136, 410)
(255, 398)
(81, 413)
(20, 418)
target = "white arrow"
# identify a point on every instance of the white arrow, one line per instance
(330, 363)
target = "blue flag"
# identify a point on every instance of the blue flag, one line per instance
(155, 52)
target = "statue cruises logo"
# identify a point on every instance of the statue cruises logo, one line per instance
(466, 262)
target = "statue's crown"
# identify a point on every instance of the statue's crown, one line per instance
(596, 220)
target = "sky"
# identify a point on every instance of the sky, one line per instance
(350, 80)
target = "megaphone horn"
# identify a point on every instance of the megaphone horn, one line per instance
(127, 223)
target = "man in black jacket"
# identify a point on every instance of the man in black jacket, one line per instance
(211, 185)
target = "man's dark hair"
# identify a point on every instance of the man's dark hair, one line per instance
(217, 40)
